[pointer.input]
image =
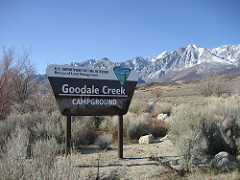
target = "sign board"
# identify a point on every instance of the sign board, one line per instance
(91, 91)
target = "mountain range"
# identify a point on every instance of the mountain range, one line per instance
(182, 64)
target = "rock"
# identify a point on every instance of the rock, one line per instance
(162, 116)
(146, 139)
(224, 161)
(164, 138)
(238, 158)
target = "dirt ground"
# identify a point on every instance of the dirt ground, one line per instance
(136, 164)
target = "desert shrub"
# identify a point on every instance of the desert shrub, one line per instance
(57, 126)
(84, 130)
(67, 169)
(6, 128)
(42, 160)
(43, 163)
(157, 128)
(206, 86)
(226, 116)
(13, 157)
(106, 124)
(79, 133)
(91, 130)
(104, 141)
(39, 125)
(135, 126)
(9, 126)
(36, 103)
(42, 126)
(186, 135)
(199, 132)
(116, 173)
(162, 107)
(138, 107)
(96, 121)
(237, 88)
(158, 93)
(114, 128)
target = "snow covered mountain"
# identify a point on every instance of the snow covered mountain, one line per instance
(229, 52)
(167, 65)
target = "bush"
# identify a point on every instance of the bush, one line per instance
(104, 141)
(157, 128)
(163, 107)
(135, 126)
(42, 164)
(199, 132)
(227, 119)
(42, 126)
(137, 107)
(13, 158)
(39, 125)
(43, 103)
(186, 135)
(43, 159)
(206, 86)
(79, 132)
(86, 129)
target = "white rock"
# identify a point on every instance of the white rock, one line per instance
(164, 138)
(162, 116)
(224, 161)
(146, 139)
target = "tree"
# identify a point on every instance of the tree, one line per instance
(7, 78)
(206, 87)
(210, 85)
(14, 80)
(219, 89)
(24, 84)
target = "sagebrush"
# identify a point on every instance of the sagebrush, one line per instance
(200, 132)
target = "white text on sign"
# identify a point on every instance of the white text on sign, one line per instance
(66, 89)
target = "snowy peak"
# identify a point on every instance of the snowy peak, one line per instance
(162, 55)
(137, 63)
(228, 52)
(169, 63)
(193, 47)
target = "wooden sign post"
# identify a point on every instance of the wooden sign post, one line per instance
(120, 136)
(68, 131)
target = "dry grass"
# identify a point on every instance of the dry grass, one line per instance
(200, 132)
(104, 141)
(181, 90)
(14, 163)
(34, 138)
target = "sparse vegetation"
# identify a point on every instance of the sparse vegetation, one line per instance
(162, 107)
(201, 132)
(43, 164)
(210, 85)
(206, 87)
(104, 141)
(32, 130)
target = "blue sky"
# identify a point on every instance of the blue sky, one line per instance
(64, 31)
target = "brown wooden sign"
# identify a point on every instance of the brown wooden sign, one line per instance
(91, 91)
